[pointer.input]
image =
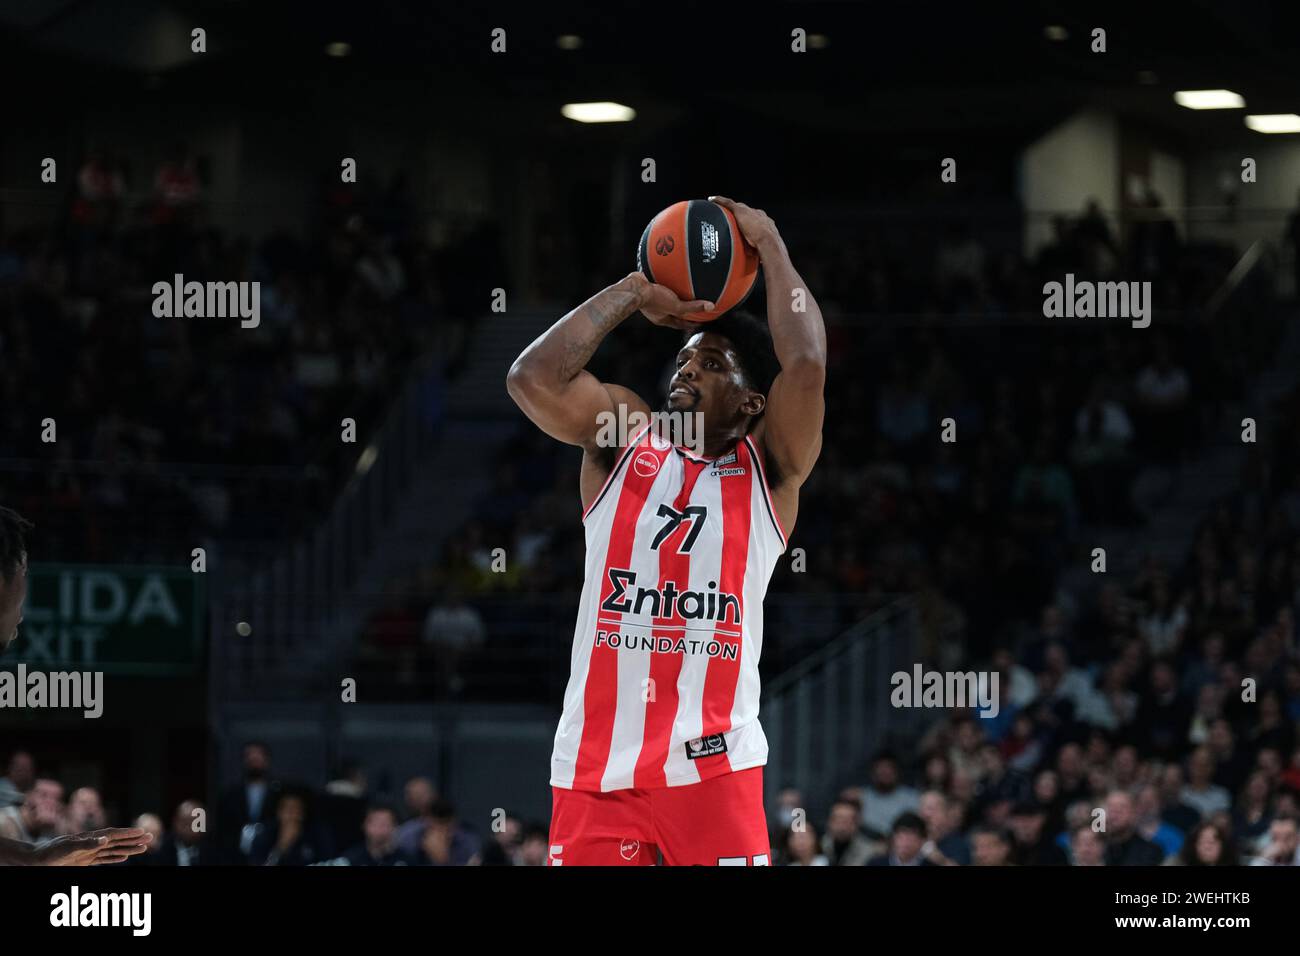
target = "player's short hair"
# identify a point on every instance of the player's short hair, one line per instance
(751, 341)
(13, 543)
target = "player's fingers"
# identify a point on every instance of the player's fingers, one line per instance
(106, 858)
(113, 832)
(84, 843)
(128, 839)
(724, 201)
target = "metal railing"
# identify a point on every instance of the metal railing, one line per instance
(272, 615)
(824, 716)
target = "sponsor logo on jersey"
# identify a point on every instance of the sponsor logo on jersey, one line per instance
(657, 644)
(706, 746)
(646, 464)
(628, 849)
(668, 601)
(727, 472)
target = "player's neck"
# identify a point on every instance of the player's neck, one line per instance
(717, 445)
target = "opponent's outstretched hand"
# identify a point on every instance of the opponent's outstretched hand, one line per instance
(94, 847)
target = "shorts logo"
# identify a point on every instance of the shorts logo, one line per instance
(706, 746)
(646, 464)
(628, 849)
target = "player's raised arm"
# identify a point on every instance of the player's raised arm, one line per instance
(549, 381)
(792, 425)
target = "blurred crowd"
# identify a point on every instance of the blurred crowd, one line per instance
(264, 821)
(204, 426)
(1168, 700)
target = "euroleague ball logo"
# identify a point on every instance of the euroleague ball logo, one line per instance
(664, 245)
(646, 464)
(628, 849)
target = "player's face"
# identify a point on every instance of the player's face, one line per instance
(709, 380)
(12, 598)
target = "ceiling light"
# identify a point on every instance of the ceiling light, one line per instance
(603, 112)
(1209, 99)
(1274, 123)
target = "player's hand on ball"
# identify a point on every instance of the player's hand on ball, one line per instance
(755, 225)
(661, 306)
(94, 848)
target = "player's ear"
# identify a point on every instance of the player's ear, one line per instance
(753, 404)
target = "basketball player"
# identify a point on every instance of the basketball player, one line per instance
(659, 748)
(81, 849)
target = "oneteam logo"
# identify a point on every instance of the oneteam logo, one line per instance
(76, 909)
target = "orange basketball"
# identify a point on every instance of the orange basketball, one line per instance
(695, 248)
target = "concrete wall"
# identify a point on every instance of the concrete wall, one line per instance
(1077, 161)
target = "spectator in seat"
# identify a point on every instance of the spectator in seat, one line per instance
(844, 843)
(1208, 845)
(1031, 845)
(1124, 845)
(990, 846)
(1201, 793)
(379, 846)
(1087, 848)
(1282, 846)
(886, 797)
(187, 844)
(905, 843)
(291, 840)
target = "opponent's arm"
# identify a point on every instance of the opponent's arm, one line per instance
(796, 406)
(93, 848)
(16, 853)
(549, 381)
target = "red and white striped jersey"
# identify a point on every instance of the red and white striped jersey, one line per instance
(664, 673)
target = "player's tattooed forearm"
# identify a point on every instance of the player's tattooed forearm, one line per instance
(575, 356)
(613, 307)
